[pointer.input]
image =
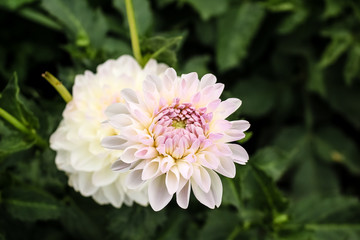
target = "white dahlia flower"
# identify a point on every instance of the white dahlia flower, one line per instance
(175, 138)
(77, 140)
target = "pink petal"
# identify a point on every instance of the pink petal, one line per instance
(159, 197)
(146, 153)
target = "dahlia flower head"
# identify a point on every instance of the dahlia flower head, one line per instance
(174, 137)
(77, 140)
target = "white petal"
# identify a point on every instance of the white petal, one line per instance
(241, 125)
(207, 80)
(83, 161)
(226, 167)
(128, 156)
(172, 180)
(120, 121)
(104, 177)
(120, 166)
(239, 155)
(202, 178)
(116, 108)
(151, 170)
(86, 187)
(133, 180)
(100, 197)
(158, 194)
(213, 197)
(130, 96)
(227, 107)
(183, 196)
(185, 168)
(114, 142)
(115, 197)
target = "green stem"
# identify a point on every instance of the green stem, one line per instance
(59, 87)
(133, 32)
(13, 121)
(21, 127)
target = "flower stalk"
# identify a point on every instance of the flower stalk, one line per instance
(59, 87)
(133, 31)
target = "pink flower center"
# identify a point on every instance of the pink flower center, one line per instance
(179, 130)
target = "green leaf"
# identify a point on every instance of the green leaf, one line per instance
(334, 146)
(333, 8)
(77, 223)
(316, 209)
(262, 192)
(352, 65)
(28, 204)
(258, 96)
(312, 177)
(85, 26)
(115, 47)
(14, 4)
(133, 217)
(197, 64)
(272, 161)
(230, 191)
(293, 20)
(39, 18)
(342, 99)
(235, 31)
(209, 8)
(12, 140)
(162, 49)
(340, 42)
(12, 103)
(142, 11)
(215, 226)
(336, 231)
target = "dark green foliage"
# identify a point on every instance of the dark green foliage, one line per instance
(295, 65)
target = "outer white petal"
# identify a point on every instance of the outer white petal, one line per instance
(240, 156)
(213, 197)
(133, 180)
(158, 194)
(104, 177)
(227, 107)
(183, 196)
(85, 185)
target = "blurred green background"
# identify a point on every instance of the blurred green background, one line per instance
(295, 65)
